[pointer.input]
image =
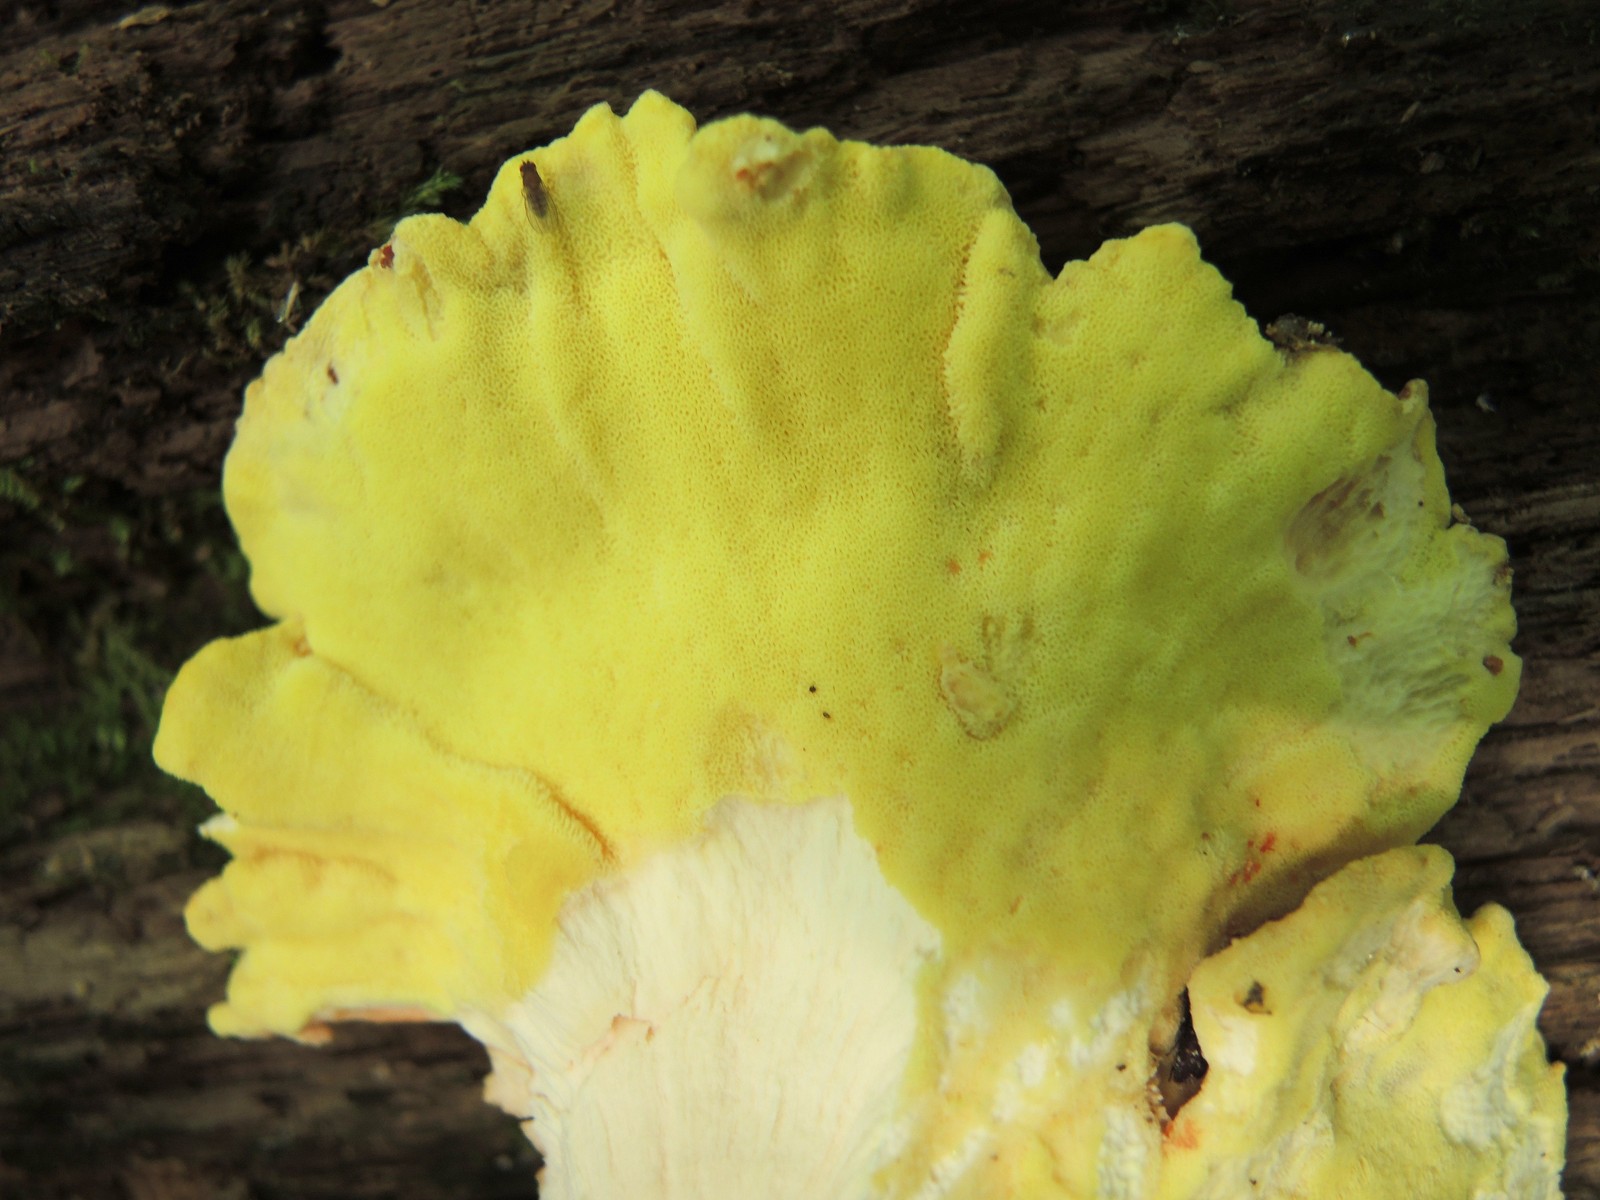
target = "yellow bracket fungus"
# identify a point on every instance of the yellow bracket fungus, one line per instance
(842, 713)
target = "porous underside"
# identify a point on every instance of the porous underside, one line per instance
(741, 1016)
(746, 463)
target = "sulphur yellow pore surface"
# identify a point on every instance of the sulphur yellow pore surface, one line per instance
(748, 462)
(1372, 1045)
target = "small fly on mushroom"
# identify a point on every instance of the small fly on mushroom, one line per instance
(525, 743)
(533, 193)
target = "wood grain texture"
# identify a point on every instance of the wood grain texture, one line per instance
(1423, 176)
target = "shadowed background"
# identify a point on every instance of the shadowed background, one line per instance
(181, 185)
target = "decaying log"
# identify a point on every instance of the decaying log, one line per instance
(180, 184)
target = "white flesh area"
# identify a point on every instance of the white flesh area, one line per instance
(739, 1015)
(703, 1033)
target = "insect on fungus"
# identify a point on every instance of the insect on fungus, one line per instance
(1296, 335)
(1097, 873)
(533, 193)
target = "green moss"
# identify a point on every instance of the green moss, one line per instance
(98, 738)
(109, 592)
(17, 490)
(430, 193)
(101, 597)
(252, 306)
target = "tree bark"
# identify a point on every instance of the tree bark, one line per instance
(180, 185)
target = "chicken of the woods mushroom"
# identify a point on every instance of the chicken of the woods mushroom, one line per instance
(840, 712)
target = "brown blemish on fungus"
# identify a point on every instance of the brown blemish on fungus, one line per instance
(771, 167)
(978, 700)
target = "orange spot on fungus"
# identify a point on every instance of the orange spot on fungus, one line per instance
(1179, 1135)
(1246, 873)
(386, 1014)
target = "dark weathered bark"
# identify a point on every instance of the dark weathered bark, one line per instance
(1422, 175)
